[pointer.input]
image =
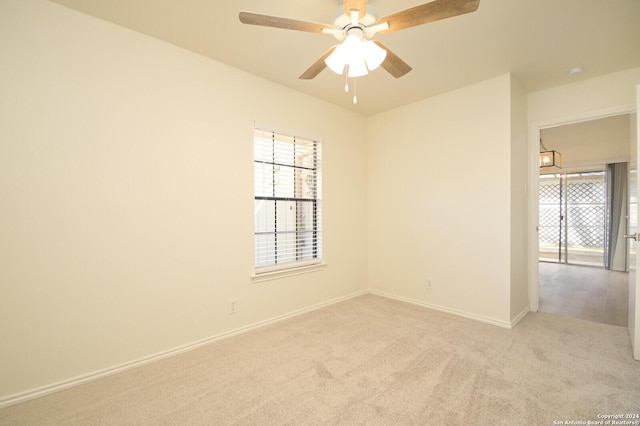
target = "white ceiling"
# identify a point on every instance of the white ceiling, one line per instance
(539, 41)
(588, 145)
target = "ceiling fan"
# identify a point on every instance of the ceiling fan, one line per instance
(355, 26)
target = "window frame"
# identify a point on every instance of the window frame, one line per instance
(265, 172)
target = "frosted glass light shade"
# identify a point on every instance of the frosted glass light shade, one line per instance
(357, 68)
(374, 55)
(361, 55)
(337, 60)
(352, 46)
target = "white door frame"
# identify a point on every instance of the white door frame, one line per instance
(634, 279)
(534, 152)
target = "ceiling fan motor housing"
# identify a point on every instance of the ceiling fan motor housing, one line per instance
(343, 24)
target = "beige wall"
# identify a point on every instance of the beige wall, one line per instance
(440, 200)
(519, 271)
(586, 99)
(126, 189)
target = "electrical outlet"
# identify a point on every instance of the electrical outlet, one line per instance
(429, 284)
(233, 306)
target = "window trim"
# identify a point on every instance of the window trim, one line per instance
(278, 270)
(274, 274)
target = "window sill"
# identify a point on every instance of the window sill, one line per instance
(284, 273)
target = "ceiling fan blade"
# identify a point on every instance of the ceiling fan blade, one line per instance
(428, 12)
(359, 5)
(285, 23)
(393, 64)
(317, 66)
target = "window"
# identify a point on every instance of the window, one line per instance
(287, 195)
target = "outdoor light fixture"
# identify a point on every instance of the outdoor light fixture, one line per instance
(549, 158)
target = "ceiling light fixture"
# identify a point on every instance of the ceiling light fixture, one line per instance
(354, 26)
(549, 158)
(359, 54)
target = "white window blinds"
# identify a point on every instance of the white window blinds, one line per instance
(287, 210)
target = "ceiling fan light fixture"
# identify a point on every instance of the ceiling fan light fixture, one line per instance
(361, 55)
(337, 60)
(352, 45)
(357, 68)
(374, 55)
(354, 26)
(350, 52)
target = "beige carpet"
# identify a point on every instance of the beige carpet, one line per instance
(373, 361)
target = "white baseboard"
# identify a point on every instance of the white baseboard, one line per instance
(66, 384)
(492, 321)
(56, 387)
(520, 316)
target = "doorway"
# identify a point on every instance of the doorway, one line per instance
(581, 250)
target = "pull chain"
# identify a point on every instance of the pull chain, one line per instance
(355, 97)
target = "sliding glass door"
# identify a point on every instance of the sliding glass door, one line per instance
(572, 219)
